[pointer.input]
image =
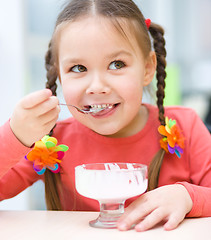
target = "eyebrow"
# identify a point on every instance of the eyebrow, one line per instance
(70, 60)
(109, 56)
(121, 52)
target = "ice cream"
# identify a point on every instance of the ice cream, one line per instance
(111, 184)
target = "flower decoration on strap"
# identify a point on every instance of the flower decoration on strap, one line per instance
(173, 139)
(46, 154)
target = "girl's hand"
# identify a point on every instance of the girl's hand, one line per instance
(169, 203)
(34, 116)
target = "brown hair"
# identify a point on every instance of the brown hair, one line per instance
(114, 10)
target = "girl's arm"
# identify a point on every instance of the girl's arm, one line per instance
(199, 150)
(33, 117)
(16, 173)
(201, 197)
(11, 149)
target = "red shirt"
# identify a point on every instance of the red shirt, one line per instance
(193, 169)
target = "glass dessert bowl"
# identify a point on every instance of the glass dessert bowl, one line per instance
(111, 184)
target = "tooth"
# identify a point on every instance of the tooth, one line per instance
(99, 106)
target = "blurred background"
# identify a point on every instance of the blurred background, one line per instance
(25, 30)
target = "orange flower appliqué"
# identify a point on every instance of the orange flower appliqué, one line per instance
(173, 140)
(46, 154)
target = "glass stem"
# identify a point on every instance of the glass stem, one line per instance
(111, 211)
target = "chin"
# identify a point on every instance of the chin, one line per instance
(107, 133)
(104, 133)
(107, 129)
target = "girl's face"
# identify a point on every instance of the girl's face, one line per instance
(98, 66)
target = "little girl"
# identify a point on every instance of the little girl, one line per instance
(101, 52)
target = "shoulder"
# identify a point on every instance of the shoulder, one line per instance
(181, 113)
(186, 118)
(178, 113)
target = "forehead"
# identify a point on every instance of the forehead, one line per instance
(87, 30)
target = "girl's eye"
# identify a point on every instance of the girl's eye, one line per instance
(78, 68)
(116, 65)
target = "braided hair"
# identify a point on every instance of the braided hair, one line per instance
(159, 46)
(52, 180)
(115, 10)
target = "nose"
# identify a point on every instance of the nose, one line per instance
(98, 85)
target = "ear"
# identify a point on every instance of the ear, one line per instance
(150, 68)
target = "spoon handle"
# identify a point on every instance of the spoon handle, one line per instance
(80, 110)
(84, 110)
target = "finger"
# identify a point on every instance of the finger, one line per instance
(140, 201)
(151, 220)
(35, 98)
(50, 115)
(49, 125)
(173, 222)
(46, 106)
(46, 128)
(133, 215)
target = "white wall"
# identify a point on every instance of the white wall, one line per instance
(25, 29)
(11, 56)
(11, 73)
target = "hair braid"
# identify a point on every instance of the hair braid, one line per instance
(159, 46)
(51, 71)
(52, 180)
(157, 33)
(51, 74)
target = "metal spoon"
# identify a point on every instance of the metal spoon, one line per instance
(85, 111)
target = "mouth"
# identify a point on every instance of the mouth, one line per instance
(100, 108)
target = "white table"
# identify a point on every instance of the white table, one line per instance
(50, 225)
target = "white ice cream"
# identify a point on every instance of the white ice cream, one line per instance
(110, 185)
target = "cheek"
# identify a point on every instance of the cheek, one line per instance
(132, 90)
(134, 99)
(69, 93)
